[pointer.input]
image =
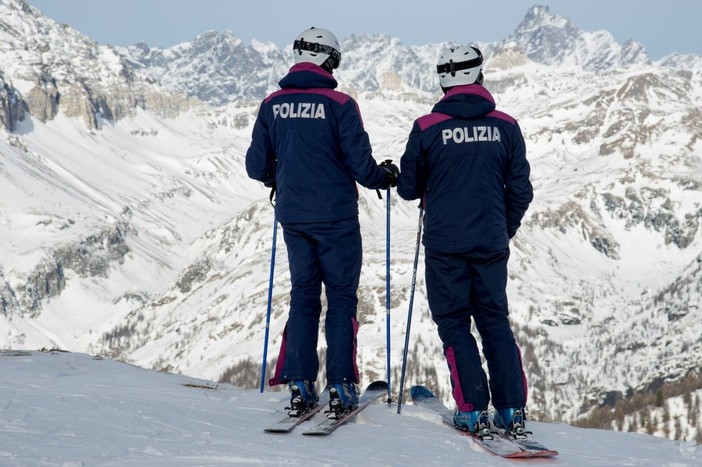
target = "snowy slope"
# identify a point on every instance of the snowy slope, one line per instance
(73, 409)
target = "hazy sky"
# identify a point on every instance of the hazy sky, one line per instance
(662, 27)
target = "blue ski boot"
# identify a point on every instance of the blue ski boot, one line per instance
(303, 397)
(343, 398)
(512, 421)
(474, 421)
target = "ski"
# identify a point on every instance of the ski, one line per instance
(373, 392)
(288, 423)
(531, 445)
(499, 444)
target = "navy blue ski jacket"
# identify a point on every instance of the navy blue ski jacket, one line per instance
(309, 140)
(468, 163)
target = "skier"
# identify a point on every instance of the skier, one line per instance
(467, 162)
(309, 145)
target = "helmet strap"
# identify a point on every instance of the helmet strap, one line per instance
(452, 67)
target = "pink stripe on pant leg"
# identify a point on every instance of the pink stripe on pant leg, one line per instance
(463, 406)
(276, 379)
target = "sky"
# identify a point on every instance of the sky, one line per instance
(70, 409)
(662, 27)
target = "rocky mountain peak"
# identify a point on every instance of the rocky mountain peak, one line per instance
(553, 39)
(541, 16)
(48, 66)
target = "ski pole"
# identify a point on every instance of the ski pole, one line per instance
(409, 313)
(387, 290)
(270, 302)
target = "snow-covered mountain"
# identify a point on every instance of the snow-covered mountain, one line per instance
(130, 229)
(51, 66)
(219, 68)
(552, 39)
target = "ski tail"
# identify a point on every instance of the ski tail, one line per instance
(376, 386)
(421, 393)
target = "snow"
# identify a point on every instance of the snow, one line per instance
(72, 409)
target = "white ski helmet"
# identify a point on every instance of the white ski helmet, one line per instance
(318, 46)
(460, 65)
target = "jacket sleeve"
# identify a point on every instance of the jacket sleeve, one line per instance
(411, 184)
(260, 157)
(356, 148)
(518, 189)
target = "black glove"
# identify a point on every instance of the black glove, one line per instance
(391, 173)
(271, 185)
(270, 177)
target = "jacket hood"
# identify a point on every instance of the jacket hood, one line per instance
(468, 101)
(307, 75)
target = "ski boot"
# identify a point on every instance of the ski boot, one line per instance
(511, 421)
(474, 421)
(343, 398)
(303, 397)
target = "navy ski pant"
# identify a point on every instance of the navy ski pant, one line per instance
(465, 286)
(328, 253)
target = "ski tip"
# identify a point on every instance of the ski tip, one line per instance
(420, 392)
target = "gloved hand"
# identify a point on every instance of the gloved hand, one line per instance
(270, 176)
(391, 173)
(271, 184)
